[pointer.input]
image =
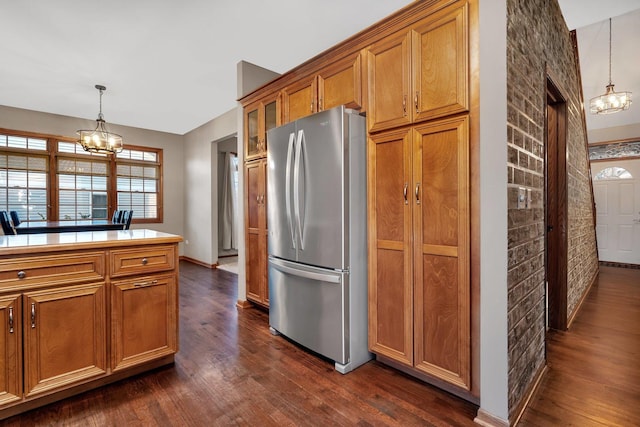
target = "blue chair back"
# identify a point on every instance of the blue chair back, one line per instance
(127, 221)
(6, 225)
(15, 218)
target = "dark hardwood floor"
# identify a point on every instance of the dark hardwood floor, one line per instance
(593, 376)
(231, 371)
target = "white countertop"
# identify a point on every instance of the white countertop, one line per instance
(46, 242)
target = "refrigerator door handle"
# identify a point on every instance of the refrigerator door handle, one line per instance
(323, 277)
(297, 171)
(292, 137)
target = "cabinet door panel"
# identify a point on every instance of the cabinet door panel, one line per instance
(252, 131)
(254, 272)
(299, 100)
(143, 320)
(58, 324)
(255, 191)
(270, 117)
(390, 286)
(341, 84)
(389, 71)
(441, 251)
(440, 64)
(11, 346)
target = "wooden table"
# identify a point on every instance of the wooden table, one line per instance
(34, 227)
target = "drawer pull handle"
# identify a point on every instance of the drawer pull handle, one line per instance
(33, 315)
(10, 320)
(145, 284)
(21, 274)
(144, 261)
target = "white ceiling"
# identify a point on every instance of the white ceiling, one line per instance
(171, 66)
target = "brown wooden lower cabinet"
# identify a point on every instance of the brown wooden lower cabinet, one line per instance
(55, 338)
(64, 332)
(143, 320)
(419, 285)
(11, 349)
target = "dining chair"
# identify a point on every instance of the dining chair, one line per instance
(117, 216)
(15, 218)
(6, 225)
(129, 217)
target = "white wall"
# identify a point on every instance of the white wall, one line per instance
(494, 390)
(201, 187)
(171, 144)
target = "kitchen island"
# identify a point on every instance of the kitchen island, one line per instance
(80, 310)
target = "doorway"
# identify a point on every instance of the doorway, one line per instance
(228, 216)
(556, 207)
(616, 187)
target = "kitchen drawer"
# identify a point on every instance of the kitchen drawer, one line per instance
(127, 262)
(35, 271)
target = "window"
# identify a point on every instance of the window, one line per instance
(23, 185)
(613, 172)
(51, 178)
(138, 177)
(82, 189)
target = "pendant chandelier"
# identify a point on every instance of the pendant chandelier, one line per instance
(611, 101)
(100, 140)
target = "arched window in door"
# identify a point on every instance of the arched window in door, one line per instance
(613, 172)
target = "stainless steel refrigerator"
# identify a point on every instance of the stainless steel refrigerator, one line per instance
(316, 217)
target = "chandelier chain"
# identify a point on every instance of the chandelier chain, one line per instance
(609, 51)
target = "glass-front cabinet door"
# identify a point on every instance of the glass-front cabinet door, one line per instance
(259, 118)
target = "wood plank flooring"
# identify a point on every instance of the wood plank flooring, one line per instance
(593, 376)
(231, 371)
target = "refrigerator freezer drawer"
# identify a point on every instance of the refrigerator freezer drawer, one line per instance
(309, 306)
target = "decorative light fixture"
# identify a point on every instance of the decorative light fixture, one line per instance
(100, 140)
(611, 101)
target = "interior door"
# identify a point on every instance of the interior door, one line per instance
(617, 197)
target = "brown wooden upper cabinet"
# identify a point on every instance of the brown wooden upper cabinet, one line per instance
(420, 74)
(259, 117)
(338, 84)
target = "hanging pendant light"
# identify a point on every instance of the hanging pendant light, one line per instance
(611, 101)
(100, 140)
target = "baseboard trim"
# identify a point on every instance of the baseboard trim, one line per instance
(195, 261)
(618, 264)
(243, 304)
(488, 420)
(533, 388)
(582, 299)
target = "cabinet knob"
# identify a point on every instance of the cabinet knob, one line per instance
(21, 274)
(144, 261)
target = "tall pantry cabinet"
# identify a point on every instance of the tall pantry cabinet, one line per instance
(259, 117)
(411, 75)
(418, 197)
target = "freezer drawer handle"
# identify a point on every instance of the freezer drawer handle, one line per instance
(307, 274)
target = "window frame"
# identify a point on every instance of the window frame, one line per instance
(112, 191)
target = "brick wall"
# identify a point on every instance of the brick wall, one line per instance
(537, 40)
